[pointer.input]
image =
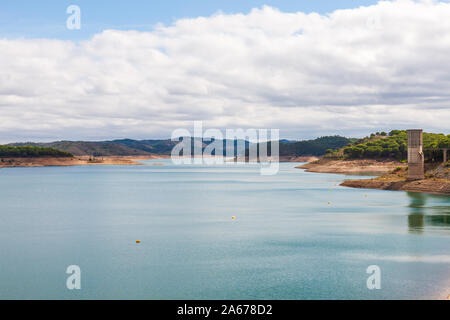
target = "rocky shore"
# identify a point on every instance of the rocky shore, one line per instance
(392, 175)
(437, 186)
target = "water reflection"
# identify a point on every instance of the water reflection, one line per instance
(436, 214)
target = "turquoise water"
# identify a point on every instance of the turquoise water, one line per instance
(286, 242)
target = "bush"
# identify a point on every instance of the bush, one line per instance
(354, 152)
(397, 170)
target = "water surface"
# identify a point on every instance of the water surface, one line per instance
(296, 235)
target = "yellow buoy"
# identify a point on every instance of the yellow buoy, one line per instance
(329, 202)
(233, 217)
(138, 241)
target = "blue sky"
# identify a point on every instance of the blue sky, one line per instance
(46, 18)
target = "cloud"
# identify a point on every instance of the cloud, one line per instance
(352, 71)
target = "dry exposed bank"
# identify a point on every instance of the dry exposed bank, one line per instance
(392, 175)
(433, 185)
(363, 166)
(298, 159)
(106, 160)
(437, 181)
(76, 161)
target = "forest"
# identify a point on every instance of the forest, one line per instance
(393, 145)
(31, 152)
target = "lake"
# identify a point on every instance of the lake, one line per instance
(296, 235)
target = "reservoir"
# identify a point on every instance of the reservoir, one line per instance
(216, 232)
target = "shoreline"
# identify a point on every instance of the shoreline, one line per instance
(298, 159)
(34, 162)
(361, 167)
(386, 180)
(434, 186)
(391, 175)
(76, 161)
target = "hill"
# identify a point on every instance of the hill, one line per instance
(393, 146)
(316, 147)
(126, 147)
(31, 152)
(386, 154)
(130, 147)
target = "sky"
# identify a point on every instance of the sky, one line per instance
(141, 69)
(46, 18)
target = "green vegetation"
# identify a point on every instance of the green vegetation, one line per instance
(31, 152)
(316, 147)
(392, 146)
(129, 147)
(397, 170)
(379, 145)
(125, 147)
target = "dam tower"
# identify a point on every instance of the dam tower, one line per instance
(415, 154)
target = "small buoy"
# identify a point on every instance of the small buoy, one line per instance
(329, 202)
(233, 218)
(138, 241)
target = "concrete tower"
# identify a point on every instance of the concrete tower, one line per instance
(415, 155)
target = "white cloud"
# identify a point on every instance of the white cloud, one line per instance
(352, 71)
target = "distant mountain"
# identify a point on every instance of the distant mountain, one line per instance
(288, 141)
(315, 147)
(130, 147)
(100, 148)
(127, 147)
(378, 145)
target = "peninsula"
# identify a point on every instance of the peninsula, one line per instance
(385, 155)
